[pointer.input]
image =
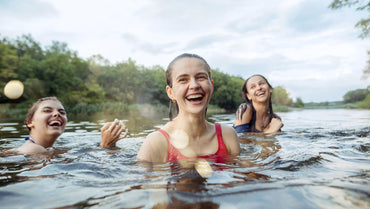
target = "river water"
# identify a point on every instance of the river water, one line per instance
(320, 160)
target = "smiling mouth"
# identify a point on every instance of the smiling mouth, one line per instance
(194, 98)
(55, 123)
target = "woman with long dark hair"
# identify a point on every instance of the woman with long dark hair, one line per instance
(256, 114)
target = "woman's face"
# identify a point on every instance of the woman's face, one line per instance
(192, 87)
(50, 118)
(258, 89)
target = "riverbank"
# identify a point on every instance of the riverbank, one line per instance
(16, 111)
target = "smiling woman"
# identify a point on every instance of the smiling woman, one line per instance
(189, 135)
(46, 121)
(256, 114)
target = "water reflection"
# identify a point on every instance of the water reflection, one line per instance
(312, 163)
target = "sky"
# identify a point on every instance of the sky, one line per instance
(302, 45)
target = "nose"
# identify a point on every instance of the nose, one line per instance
(56, 114)
(194, 84)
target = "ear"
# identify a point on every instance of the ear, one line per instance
(169, 92)
(29, 124)
(212, 82)
(248, 96)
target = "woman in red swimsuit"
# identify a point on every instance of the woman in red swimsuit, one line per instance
(189, 135)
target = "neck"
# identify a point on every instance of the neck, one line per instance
(262, 115)
(193, 124)
(261, 108)
(45, 141)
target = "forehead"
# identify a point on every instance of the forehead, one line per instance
(255, 79)
(51, 103)
(188, 65)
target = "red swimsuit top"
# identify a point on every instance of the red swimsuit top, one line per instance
(173, 154)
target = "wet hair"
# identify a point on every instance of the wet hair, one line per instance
(34, 107)
(248, 101)
(169, 75)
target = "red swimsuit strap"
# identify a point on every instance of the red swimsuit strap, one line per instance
(174, 154)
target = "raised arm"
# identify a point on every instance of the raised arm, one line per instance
(111, 134)
(275, 125)
(243, 114)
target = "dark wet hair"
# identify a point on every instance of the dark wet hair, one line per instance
(34, 107)
(169, 75)
(248, 101)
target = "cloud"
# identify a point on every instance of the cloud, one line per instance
(25, 10)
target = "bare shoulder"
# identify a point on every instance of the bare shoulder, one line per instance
(230, 139)
(154, 148)
(30, 148)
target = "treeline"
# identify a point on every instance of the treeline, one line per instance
(57, 70)
(95, 83)
(359, 97)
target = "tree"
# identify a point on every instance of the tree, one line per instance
(298, 103)
(364, 23)
(355, 95)
(281, 97)
(8, 64)
(366, 72)
(226, 90)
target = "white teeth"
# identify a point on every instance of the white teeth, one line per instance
(194, 96)
(55, 123)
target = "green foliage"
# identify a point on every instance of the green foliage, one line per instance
(227, 90)
(280, 97)
(364, 23)
(94, 85)
(364, 103)
(355, 95)
(366, 71)
(298, 103)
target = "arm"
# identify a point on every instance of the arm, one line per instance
(231, 140)
(111, 133)
(275, 125)
(243, 114)
(153, 149)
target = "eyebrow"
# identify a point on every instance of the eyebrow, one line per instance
(47, 107)
(184, 75)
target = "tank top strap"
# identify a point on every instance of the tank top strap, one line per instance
(218, 132)
(222, 150)
(165, 134)
(172, 153)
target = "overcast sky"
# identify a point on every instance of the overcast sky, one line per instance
(312, 51)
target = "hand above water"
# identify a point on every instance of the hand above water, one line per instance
(275, 125)
(111, 133)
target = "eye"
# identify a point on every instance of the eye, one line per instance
(62, 112)
(182, 80)
(46, 110)
(202, 77)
